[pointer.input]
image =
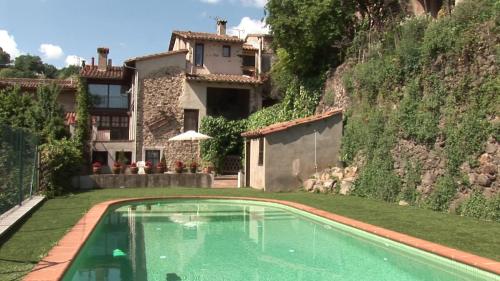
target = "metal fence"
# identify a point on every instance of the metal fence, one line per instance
(18, 167)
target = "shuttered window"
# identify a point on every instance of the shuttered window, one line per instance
(190, 120)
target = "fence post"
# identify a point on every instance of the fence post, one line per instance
(21, 166)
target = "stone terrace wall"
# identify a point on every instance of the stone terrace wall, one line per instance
(161, 116)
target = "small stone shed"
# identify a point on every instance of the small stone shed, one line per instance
(281, 156)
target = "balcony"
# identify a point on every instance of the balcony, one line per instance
(113, 134)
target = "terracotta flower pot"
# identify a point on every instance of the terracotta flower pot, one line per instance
(192, 169)
(160, 169)
(178, 170)
(116, 169)
(134, 170)
(148, 169)
(96, 170)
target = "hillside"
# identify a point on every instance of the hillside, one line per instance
(422, 100)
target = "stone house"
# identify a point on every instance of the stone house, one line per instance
(154, 97)
(112, 126)
(283, 155)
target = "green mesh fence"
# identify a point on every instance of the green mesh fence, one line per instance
(18, 167)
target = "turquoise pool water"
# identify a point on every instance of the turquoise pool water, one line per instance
(210, 240)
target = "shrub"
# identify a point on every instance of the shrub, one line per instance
(226, 139)
(60, 160)
(411, 181)
(478, 206)
(444, 192)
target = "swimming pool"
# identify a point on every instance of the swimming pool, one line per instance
(214, 239)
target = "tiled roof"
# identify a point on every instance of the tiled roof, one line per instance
(249, 47)
(223, 78)
(33, 83)
(157, 55)
(285, 125)
(112, 73)
(207, 36)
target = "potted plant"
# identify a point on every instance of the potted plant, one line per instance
(122, 160)
(96, 168)
(193, 167)
(133, 168)
(160, 168)
(208, 167)
(117, 167)
(148, 167)
(178, 166)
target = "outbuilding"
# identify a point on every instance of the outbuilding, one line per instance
(281, 156)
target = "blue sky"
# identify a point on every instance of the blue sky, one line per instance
(60, 30)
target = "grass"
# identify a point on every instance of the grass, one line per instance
(33, 239)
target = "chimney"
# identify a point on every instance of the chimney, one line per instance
(221, 27)
(109, 63)
(103, 58)
(92, 61)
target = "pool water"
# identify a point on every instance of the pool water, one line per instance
(210, 240)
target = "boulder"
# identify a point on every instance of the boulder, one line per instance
(485, 158)
(337, 172)
(491, 148)
(428, 178)
(489, 169)
(324, 176)
(472, 178)
(309, 184)
(328, 185)
(345, 187)
(483, 180)
(350, 172)
(403, 203)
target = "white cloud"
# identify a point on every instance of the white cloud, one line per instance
(248, 26)
(210, 1)
(255, 3)
(73, 60)
(51, 51)
(8, 44)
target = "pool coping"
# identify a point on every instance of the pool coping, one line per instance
(53, 266)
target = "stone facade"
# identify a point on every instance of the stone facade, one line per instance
(160, 115)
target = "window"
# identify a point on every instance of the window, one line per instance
(108, 96)
(153, 156)
(100, 156)
(117, 125)
(261, 152)
(249, 61)
(190, 120)
(127, 154)
(226, 51)
(198, 54)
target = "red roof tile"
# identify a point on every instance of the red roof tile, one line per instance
(207, 36)
(285, 125)
(157, 55)
(112, 73)
(223, 78)
(249, 47)
(33, 83)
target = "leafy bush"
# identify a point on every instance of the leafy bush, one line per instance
(226, 139)
(478, 206)
(411, 181)
(444, 192)
(60, 160)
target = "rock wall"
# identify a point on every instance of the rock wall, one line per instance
(334, 93)
(161, 116)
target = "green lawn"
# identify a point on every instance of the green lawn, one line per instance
(20, 252)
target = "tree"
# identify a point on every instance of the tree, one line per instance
(49, 71)
(15, 73)
(16, 109)
(68, 71)
(4, 57)
(311, 32)
(29, 63)
(48, 114)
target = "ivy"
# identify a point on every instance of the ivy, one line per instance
(226, 139)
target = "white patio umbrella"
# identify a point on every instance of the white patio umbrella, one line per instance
(190, 136)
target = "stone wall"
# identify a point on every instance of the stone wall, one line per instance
(161, 115)
(152, 180)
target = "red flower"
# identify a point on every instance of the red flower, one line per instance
(133, 165)
(97, 164)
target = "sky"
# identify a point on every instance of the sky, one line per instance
(63, 32)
